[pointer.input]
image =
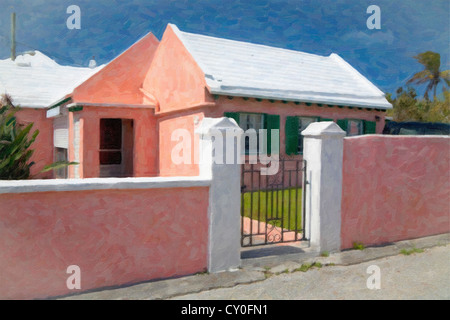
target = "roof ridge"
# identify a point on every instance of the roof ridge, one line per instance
(180, 32)
(349, 67)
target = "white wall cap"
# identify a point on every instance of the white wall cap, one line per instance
(24, 186)
(209, 125)
(324, 128)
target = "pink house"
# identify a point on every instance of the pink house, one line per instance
(34, 81)
(120, 121)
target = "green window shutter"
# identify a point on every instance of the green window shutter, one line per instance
(232, 115)
(370, 127)
(291, 135)
(271, 121)
(343, 124)
(325, 119)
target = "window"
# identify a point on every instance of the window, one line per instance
(293, 132)
(304, 122)
(251, 121)
(257, 121)
(354, 127)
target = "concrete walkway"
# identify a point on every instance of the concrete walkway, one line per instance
(343, 275)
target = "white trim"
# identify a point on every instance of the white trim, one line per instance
(25, 186)
(371, 102)
(90, 104)
(53, 112)
(398, 136)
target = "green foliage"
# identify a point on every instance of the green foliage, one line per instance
(408, 252)
(431, 75)
(15, 143)
(307, 266)
(358, 245)
(408, 107)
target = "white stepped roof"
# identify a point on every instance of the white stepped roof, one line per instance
(245, 69)
(36, 81)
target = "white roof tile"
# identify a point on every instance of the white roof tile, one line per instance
(253, 70)
(36, 81)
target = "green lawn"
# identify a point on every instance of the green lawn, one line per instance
(277, 204)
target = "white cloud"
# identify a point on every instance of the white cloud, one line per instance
(370, 37)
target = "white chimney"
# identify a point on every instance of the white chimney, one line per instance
(92, 63)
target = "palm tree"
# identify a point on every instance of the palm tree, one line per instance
(431, 74)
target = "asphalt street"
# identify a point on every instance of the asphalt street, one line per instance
(424, 275)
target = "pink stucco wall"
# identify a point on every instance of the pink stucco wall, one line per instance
(394, 188)
(43, 145)
(121, 79)
(167, 126)
(116, 237)
(168, 122)
(174, 77)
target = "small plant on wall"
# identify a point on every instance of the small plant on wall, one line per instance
(15, 145)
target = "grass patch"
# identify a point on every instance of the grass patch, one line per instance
(408, 252)
(306, 266)
(284, 205)
(358, 246)
(325, 254)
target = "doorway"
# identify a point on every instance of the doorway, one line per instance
(116, 148)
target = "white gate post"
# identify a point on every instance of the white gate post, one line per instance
(323, 151)
(217, 138)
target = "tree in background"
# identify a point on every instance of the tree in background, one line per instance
(15, 143)
(431, 74)
(408, 107)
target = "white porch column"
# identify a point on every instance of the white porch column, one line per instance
(323, 151)
(217, 138)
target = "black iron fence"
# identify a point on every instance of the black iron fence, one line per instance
(272, 206)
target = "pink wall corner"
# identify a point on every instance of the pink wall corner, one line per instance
(120, 80)
(43, 145)
(167, 126)
(116, 237)
(174, 77)
(145, 139)
(394, 188)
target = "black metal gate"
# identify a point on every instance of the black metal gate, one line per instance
(273, 206)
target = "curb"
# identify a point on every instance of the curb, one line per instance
(256, 269)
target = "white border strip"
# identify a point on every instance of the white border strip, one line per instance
(25, 186)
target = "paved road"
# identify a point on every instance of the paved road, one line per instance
(423, 275)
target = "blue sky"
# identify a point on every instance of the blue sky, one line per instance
(108, 27)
